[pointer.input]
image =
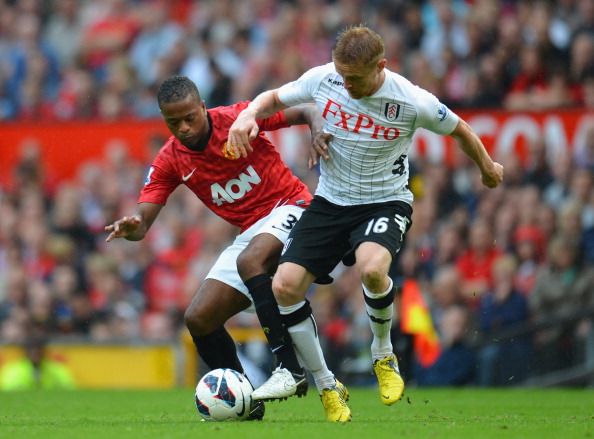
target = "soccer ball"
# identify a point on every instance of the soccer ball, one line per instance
(222, 395)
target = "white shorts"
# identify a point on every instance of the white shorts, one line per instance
(279, 223)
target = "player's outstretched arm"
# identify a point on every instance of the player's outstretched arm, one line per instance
(309, 114)
(245, 128)
(471, 144)
(134, 227)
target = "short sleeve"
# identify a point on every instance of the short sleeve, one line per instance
(301, 90)
(432, 114)
(160, 182)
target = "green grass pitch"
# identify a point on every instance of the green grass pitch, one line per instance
(423, 413)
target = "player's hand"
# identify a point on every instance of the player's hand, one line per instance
(492, 177)
(242, 131)
(123, 227)
(319, 148)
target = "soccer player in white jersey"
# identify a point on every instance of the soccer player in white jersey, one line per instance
(362, 206)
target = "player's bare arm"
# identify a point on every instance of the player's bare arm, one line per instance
(319, 147)
(471, 144)
(319, 139)
(310, 115)
(134, 227)
(245, 128)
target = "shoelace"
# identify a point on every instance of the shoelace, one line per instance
(336, 402)
(388, 366)
(275, 378)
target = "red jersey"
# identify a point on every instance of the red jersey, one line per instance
(241, 191)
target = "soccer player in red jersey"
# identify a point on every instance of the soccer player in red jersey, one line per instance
(258, 194)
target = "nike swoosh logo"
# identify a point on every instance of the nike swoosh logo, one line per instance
(187, 177)
(240, 413)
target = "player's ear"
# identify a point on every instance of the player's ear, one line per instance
(381, 64)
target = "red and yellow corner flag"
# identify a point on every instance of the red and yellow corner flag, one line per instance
(416, 320)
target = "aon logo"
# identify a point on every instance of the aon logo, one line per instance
(235, 188)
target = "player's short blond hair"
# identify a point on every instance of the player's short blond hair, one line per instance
(358, 46)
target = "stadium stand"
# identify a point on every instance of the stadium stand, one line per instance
(519, 259)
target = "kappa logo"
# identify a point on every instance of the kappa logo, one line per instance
(335, 82)
(392, 111)
(228, 153)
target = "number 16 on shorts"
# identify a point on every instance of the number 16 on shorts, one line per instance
(377, 225)
(380, 225)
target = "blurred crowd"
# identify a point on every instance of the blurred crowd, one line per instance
(86, 59)
(485, 260)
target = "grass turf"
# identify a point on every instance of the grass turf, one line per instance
(423, 413)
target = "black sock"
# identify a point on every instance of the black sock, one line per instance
(218, 350)
(279, 339)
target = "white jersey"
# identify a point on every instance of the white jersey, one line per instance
(371, 136)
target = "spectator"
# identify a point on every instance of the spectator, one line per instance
(584, 152)
(563, 288)
(558, 188)
(476, 264)
(35, 72)
(531, 80)
(529, 243)
(538, 172)
(109, 35)
(503, 361)
(36, 370)
(63, 31)
(445, 292)
(157, 36)
(456, 363)
(581, 62)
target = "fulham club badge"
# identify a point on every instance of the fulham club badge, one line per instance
(391, 111)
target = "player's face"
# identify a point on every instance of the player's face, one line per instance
(361, 81)
(187, 121)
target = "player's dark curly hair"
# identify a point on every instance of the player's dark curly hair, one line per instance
(176, 88)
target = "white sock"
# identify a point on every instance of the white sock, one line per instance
(381, 346)
(308, 349)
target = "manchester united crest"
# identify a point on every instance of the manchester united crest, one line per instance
(229, 153)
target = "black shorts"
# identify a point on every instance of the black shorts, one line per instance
(327, 233)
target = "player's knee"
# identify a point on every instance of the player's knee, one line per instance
(285, 290)
(373, 275)
(198, 322)
(245, 266)
(250, 264)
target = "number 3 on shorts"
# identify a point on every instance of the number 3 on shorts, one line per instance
(289, 222)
